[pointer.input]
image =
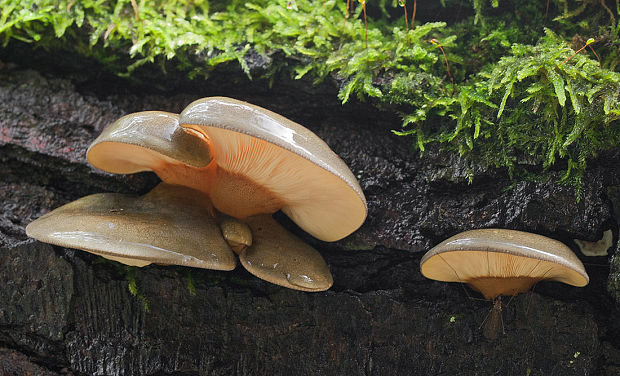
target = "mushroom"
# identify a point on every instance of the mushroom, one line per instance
(279, 257)
(249, 162)
(263, 162)
(498, 262)
(170, 225)
(502, 262)
(148, 141)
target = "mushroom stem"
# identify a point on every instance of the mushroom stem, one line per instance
(237, 234)
(493, 321)
(231, 193)
(492, 287)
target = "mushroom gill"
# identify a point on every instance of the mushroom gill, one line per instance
(148, 141)
(264, 162)
(502, 262)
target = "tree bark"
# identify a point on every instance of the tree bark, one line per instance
(64, 311)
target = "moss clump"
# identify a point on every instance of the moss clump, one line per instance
(513, 102)
(534, 106)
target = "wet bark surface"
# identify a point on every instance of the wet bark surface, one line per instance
(64, 311)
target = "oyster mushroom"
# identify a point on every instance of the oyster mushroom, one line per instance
(263, 162)
(502, 262)
(170, 225)
(256, 162)
(301, 268)
(148, 141)
(498, 262)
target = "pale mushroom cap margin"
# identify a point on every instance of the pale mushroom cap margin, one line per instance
(143, 141)
(324, 197)
(564, 265)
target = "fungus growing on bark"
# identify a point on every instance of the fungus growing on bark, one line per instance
(170, 225)
(148, 141)
(249, 162)
(281, 258)
(502, 262)
(498, 262)
(263, 162)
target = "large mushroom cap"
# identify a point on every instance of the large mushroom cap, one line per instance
(147, 141)
(502, 262)
(266, 160)
(170, 225)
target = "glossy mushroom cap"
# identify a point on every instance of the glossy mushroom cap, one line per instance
(170, 225)
(263, 162)
(279, 257)
(502, 262)
(147, 141)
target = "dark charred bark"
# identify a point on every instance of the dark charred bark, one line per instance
(64, 311)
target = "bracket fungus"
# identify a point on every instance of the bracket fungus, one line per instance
(264, 162)
(148, 141)
(502, 262)
(247, 163)
(170, 225)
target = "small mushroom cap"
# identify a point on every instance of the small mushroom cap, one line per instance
(279, 257)
(146, 141)
(502, 262)
(295, 170)
(169, 225)
(237, 234)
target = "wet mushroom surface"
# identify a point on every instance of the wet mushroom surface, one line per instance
(501, 262)
(498, 262)
(249, 162)
(171, 225)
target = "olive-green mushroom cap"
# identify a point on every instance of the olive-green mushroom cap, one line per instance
(170, 225)
(238, 234)
(147, 141)
(297, 171)
(502, 262)
(279, 257)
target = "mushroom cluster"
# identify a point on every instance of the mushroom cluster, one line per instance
(226, 167)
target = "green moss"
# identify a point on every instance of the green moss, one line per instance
(191, 287)
(134, 285)
(513, 102)
(535, 106)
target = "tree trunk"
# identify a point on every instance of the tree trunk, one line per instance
(64, 311)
